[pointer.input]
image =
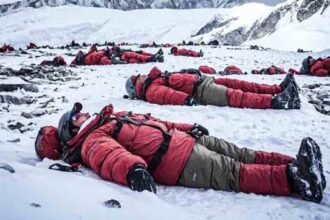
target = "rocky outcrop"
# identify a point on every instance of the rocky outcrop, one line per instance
(297, 11)
(127, 4)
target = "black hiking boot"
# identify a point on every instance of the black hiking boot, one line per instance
(160, 52)
(288, 99)
(294, 103)
(289, 78)
(305, 174)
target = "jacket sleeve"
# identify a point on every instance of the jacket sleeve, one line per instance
(317, 69)
(163, 95)
(107, 157)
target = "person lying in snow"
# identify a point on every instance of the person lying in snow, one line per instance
(6, 48)
(314, 67)
(189, 88)
(115, 55)
(185, 52)
(232, 70)
(272, 70)
(31, 46)
(57, 61)
(136, 149)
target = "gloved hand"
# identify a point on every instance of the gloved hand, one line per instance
(107, 110)
(140, 179)
(190, 101)
(198, 131)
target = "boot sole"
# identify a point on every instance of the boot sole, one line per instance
(313, 161)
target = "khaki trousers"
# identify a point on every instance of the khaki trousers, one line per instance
(209, 93)
(215, 163)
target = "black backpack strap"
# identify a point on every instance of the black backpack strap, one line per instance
(64, 168)
(161, 151)
(145, 87)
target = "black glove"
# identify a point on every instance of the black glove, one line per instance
(198, 131)
(190, 101)
(140, 179)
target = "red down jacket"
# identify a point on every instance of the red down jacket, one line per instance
(321, 67)
(97, 58)
(173, 91)
(184, 52)
(112, 158)
(133, 57)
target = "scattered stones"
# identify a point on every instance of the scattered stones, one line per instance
(16, 101)
(112, 203)
(17, 140)
(7, 167)
(319, 96)
(36, 205)
(13, 87)
(21, 127)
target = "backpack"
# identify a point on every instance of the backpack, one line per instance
(48, 143)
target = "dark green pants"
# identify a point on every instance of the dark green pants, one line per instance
(215, 163)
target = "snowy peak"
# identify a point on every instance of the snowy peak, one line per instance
(233, 29)
(8, 5)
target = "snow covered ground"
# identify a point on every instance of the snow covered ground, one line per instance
(81, 195)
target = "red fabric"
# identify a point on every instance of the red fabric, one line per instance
(32, 46)
(239, 99)
(112, 159)
(264, 179)
(293, 71)
(249, 86)
(48, 144)
(321, 67)
(275, 70)
(93, 48)
(185, 52)
(207, 69)
(233, 70)
(272, 158)
(133, 57)
(97, 58)
(59, 61)
(174, 91)
(6, 48)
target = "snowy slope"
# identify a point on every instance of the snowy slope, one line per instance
(80, 196)
(63, 24)
(310, 34)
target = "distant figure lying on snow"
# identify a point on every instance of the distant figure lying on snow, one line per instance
(115, 55)
(229, 70)
(189, 88)
(57, 61)
(310, 66)
(136, 149)
(6, 48)
(272, 70)
(184, 52)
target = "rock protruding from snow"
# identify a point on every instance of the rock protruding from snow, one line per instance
(130, 4)
(227, 31)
